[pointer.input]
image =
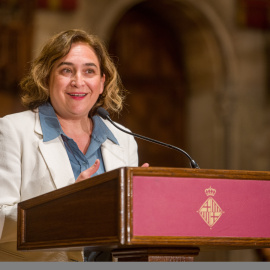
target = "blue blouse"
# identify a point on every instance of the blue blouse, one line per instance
(51, 129)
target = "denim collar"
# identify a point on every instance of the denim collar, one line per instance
(51, 127)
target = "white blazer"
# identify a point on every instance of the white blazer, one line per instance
(30, 167)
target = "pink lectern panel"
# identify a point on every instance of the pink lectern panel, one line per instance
(168, 206)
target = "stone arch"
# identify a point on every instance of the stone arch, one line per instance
(210, 69)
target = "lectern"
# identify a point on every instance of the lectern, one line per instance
(151, 214)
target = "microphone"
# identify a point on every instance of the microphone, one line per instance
(105, 115)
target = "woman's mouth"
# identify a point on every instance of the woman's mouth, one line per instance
(77, 95)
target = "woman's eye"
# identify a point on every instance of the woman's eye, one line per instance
(66, 70)
(89, 71)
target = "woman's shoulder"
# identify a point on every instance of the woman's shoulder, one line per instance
(20, 116)
(20, 120)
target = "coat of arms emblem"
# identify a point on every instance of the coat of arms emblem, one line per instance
(210, 211)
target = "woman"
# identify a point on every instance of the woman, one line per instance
(59, 140)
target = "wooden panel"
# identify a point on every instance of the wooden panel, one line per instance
(159, 195)
(203, 173)
(77, 215)
(16, 22)
(155, 79)
(99, 213)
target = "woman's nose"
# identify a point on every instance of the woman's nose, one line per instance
(78, 80)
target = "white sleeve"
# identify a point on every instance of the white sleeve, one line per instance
(10, 180)
(133, 152)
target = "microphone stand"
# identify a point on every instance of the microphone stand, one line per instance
(105, 115)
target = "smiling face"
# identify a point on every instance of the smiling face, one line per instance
(76, 82)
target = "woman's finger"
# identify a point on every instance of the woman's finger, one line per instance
(89, 172)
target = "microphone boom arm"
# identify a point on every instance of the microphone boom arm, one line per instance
(193, 163)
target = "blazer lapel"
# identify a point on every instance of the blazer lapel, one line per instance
(113, 155)
(56, 158)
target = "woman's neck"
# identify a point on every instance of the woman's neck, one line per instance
(79, 130)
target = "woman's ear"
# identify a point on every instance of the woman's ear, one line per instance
(102, 84)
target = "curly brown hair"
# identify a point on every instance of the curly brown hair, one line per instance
(35, 85)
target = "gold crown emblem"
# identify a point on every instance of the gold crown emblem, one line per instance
(210, 192)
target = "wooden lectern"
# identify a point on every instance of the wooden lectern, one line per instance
(151, 214)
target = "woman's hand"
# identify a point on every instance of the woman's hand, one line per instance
(89, 172)
(145, 165)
